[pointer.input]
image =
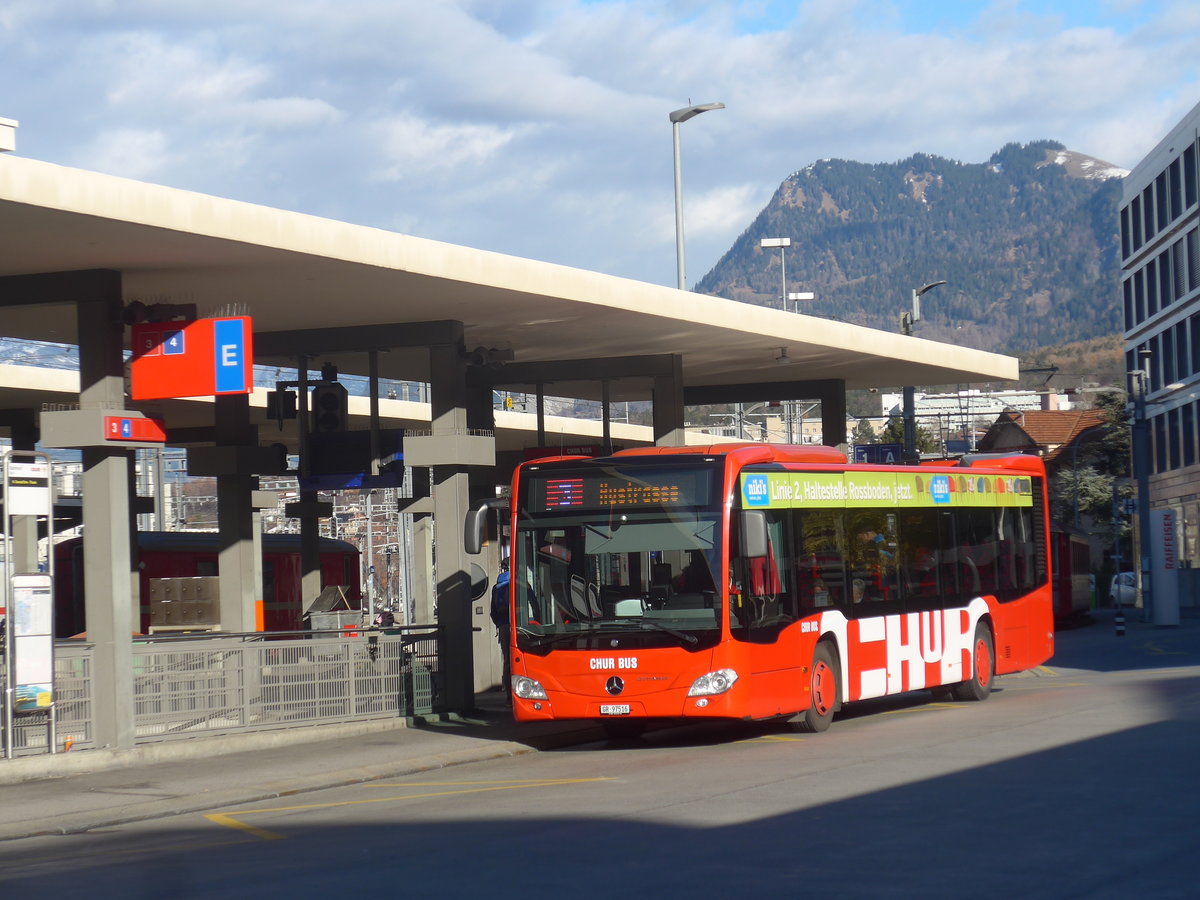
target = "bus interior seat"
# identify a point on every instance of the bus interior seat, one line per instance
(584, 600)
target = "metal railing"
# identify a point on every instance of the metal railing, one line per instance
(186, 686)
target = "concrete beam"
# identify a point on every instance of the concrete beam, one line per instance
(813, 389)
(59, 287)
(597, 369)
(287, 345)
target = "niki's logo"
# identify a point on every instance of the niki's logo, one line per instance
(939, 488)
(755, 490)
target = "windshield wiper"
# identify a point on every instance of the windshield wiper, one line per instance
(538, 639)
(682, 635)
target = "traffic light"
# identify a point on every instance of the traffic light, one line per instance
(330, 411)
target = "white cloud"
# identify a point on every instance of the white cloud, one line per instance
(288, 112)
(414, 147)
(130, 152)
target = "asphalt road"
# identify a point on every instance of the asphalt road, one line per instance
(1076, 780)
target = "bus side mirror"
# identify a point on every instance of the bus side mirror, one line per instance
(752, 535)
(474, 528)
(475, 524)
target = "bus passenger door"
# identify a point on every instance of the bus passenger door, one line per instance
(763, 615)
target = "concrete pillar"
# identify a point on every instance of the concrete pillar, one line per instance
(310, 534)
(451, 500)
(481, 418)
(422, 579)
(832, 395)
(25, 528)
(668, 406)
(241, 546)
(108, 572)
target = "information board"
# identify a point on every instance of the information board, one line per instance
(32, 617)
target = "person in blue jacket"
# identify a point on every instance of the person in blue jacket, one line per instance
(500, 618)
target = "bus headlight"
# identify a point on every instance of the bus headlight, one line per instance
(527, 688)
(717, 682)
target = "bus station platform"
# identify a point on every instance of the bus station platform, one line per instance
(85, 790)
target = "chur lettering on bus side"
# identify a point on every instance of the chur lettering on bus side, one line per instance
(921, 649)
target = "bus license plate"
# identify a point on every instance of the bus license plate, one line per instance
(614, 709)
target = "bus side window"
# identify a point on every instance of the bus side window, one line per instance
(918, 559)
(820, 559)
(763, 600)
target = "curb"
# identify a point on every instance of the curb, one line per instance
(77, 823)
(24, 769)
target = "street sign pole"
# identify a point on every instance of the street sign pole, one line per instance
(28, 598)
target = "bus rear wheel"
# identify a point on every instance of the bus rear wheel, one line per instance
(983, 667)
(823, 692)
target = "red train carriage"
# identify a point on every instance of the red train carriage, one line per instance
(188, 554)
(1070, 567)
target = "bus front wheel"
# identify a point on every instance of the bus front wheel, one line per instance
(983, 667)
(823, 692)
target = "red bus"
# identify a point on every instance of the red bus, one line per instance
(185, 554)
(753, 581)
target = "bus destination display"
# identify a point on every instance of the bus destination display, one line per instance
(609, 489)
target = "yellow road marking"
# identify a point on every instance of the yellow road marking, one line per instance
(770, 739)
(1154, 648)
(921, 708)
(230, 822)
(473, 787)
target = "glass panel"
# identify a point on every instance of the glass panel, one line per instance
(1189, 175)
(1148, 212)
(1176, 190)
(1173, 438)
(1193, 254)
(579, 577)
(918, 558)
(1188, 425)
(1160, 200)
(1180, 267)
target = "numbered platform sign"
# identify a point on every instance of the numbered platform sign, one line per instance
(202, 358)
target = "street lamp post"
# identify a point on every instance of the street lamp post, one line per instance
(907, 320)
(677, 117)
(795, 298)
(1140, 447)
(782, 244)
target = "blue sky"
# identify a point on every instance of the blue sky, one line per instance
(539, 127)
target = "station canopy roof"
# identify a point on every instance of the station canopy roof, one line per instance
(295, 272)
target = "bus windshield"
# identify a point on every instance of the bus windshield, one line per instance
(627, 555)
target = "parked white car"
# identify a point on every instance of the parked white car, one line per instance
(1123, 590)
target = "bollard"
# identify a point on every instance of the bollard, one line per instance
(1119, 622)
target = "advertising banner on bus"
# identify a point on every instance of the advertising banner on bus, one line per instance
(784, 490)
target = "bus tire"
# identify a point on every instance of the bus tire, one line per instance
(824, 692)
(983, 667)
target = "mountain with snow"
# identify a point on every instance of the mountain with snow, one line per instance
(1026, 241)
